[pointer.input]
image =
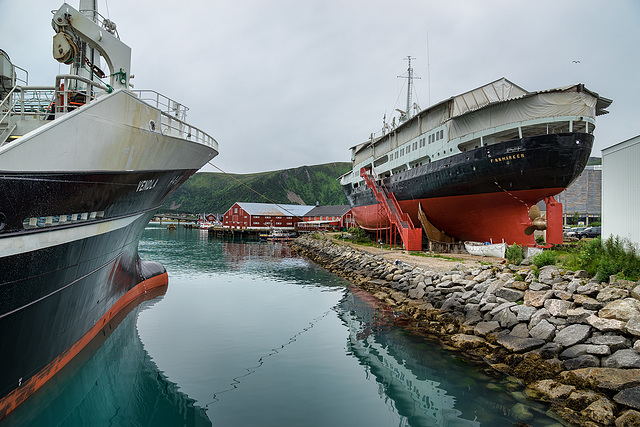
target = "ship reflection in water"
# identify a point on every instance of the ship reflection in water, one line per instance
(113, 381)
(422, 383)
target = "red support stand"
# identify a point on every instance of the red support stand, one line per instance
(554, 221)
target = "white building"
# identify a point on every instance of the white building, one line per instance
(621, 190)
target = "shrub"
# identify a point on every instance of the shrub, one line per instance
(614, 256)
(545, 258)
(619, 258)
(540, 240)
(359, 235)
(589, 256)
(535, 270)
(514, 254)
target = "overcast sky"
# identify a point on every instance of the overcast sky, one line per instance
(287, 83)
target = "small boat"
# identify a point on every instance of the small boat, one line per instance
(276, 235)
(497, 250)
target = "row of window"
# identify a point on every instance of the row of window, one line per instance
(422, 141)
(247, 223)
(54, 220)
(258, 217)
(436, 136)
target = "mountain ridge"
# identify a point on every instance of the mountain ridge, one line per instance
(216, 192)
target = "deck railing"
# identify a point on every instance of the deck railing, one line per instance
(33, 101)
(71, 92)
(173, 118)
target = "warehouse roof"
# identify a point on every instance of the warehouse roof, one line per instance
(331, 210)
(271, 209)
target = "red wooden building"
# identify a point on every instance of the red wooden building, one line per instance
(264, 216)
(336, 217)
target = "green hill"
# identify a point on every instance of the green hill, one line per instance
(594, 161)
(214, 192)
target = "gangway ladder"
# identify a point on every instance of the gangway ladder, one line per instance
(410, 235)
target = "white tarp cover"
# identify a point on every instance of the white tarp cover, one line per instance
(541, 105)
(500, 90)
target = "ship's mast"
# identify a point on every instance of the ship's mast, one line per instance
(407, 113)
(89, 9)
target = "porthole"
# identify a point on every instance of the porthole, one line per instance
(152, 125)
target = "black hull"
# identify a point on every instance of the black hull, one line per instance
(548, 161)
(59, 281)
(29, 195)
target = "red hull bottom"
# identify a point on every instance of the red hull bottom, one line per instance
(490, 217)
(133, 297)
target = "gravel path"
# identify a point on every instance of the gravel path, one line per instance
(426, 260)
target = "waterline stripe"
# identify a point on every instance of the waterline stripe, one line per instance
(45, 239)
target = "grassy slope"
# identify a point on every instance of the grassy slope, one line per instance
(217, 192)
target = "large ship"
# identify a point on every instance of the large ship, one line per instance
(473, 167)
(84, 166)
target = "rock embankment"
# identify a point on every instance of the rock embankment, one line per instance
(573, 341)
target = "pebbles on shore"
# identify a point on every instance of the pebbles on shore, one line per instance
(573, 341)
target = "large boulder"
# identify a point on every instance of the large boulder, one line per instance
(623, 309)
(509, 294)
(582, 349)
(633, 325)
(606, 325)
(518, 344)
(609, 379)
(536, 298)
(549, 274)
(628, 418)
(587, 302)
(485, 328)
(523, 312)
(625, 358)
(584, 361)
(601, 411)
(629, 397)
(465, 342)
(614, 342)
(611, 294)
(558, 307)
(572, 334)
(543, 331)
(549, 390)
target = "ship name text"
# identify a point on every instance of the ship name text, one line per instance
(509, 157)
(146, 184)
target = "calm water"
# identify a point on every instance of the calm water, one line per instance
(249, 334)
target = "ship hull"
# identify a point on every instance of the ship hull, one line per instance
(75, 197)
(63, 282)
(482, 194)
